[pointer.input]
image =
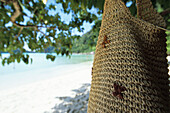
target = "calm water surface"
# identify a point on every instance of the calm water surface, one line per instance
(16, 74)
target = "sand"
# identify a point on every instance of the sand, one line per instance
(40, 96)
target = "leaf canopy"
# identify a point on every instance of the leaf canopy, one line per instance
(40, 25)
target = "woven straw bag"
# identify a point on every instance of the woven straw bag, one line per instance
(129, 73)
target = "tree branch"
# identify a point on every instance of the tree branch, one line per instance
(24, 26)
(165, 12)
(16, 37)
(17, 11)
(33, 26)
(7, 1)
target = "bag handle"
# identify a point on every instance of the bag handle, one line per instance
(146, 12)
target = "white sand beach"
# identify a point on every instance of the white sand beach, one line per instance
(40, 96)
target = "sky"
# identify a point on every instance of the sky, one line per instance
(67, 17)
(87, 26)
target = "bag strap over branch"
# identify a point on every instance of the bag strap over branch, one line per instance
(146, 12)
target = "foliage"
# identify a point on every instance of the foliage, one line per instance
(28, 22)
(29, 31)
(168, 43)
(87, 43)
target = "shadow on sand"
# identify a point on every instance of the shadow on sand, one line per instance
(76, 104)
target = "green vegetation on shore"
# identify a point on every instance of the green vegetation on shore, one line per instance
(168, 43)
(87, 43)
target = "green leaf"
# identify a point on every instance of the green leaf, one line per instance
(51, 57)
(18, 60)
(31, 60)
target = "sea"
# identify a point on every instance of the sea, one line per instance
(17, 74)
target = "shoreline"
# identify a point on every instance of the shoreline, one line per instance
(40, 96)
(18, 74)
(31, 75)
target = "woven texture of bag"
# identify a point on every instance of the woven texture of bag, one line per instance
(129, 73)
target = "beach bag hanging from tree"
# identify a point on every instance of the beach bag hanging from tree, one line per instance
(129, 73)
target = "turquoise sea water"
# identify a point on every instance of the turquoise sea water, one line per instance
(16, 74)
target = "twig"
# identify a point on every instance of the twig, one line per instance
(34, 32)
(19, 32)
(165, 12)
(24, 26)
(138, 10)
(163, 29)
(32, 26)
(28, 16)
(7, 1)
(44, 34)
